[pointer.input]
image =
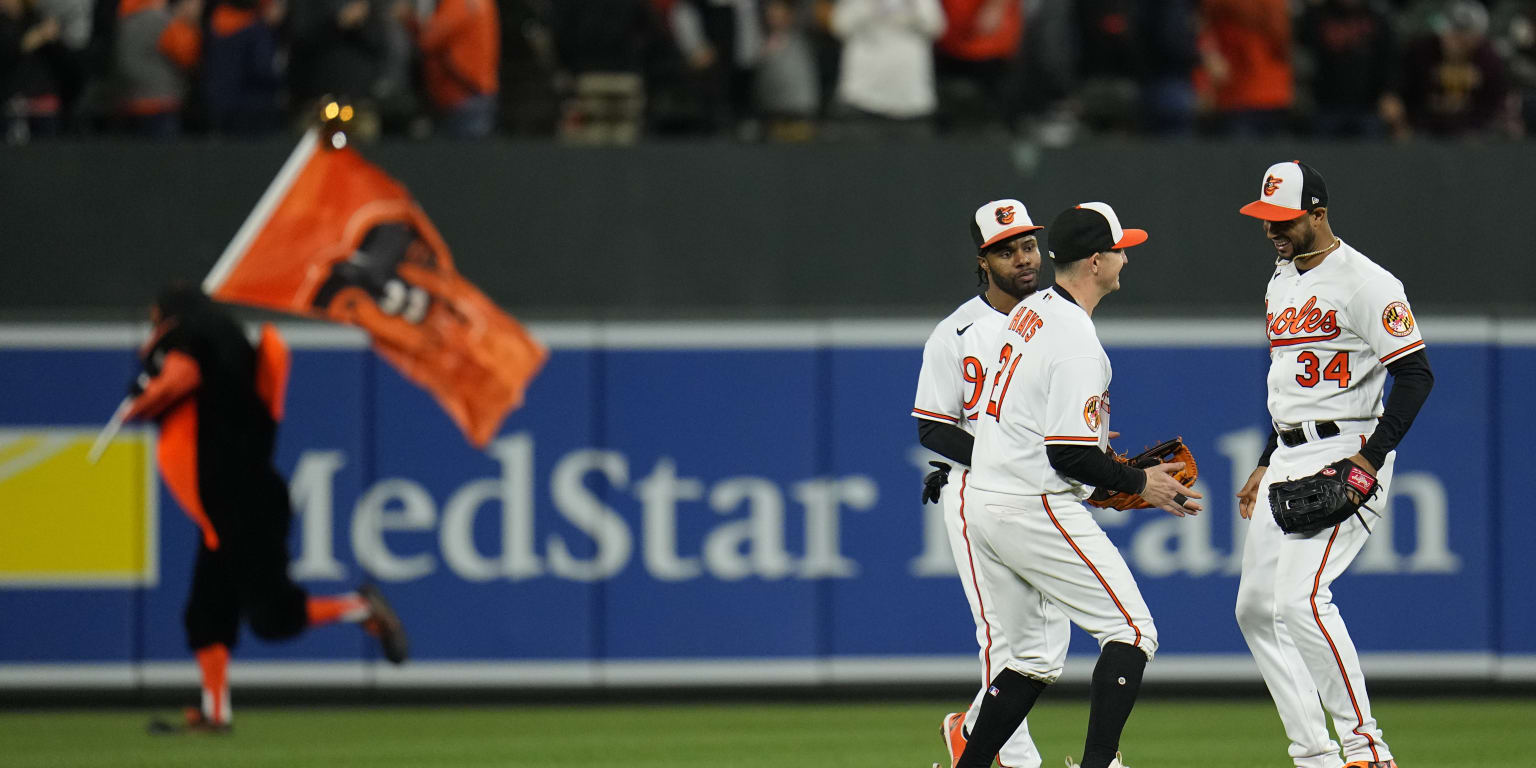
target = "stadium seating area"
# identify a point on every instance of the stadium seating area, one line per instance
(618, 71)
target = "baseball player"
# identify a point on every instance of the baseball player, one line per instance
(949, 401)
(1040, 451)
(1338, 325)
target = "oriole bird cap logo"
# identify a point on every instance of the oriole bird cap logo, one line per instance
(1004, 214)
(1271, 184)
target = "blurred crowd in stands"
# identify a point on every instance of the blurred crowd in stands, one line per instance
(613, 71)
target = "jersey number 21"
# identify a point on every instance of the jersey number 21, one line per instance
(995, 404)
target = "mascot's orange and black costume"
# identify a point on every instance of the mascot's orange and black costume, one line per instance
(218, 400)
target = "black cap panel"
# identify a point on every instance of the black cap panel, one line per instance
(1078, 233)
(1314, 191)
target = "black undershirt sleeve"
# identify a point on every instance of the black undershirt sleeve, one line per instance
(1091, 466)
(947, 440)
(1411, 382)
(1269, 447)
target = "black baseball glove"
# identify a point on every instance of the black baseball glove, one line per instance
(1323, 500)
(935, 481)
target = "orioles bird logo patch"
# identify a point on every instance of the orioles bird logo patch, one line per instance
(1091, 413)
(1397, 319)
(1004, 214)
(1271, 184)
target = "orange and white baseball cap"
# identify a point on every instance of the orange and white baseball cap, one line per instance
(1089, 228)
(999, 220)
(1289, 190)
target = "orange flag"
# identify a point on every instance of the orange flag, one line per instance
(335, 237)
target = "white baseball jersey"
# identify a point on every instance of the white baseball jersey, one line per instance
(1050, 386)
(956, 359)
(1039, 550)
(1332, 331)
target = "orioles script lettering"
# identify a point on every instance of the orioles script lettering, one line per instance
(1288, 326)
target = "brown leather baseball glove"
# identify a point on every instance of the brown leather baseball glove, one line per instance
(1165, 452)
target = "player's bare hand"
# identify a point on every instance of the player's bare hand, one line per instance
(1250, 493)
(1360, 460)
(1167, 494)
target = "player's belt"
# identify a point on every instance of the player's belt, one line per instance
(1295, 437)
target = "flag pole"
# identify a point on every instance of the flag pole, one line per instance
(109, 431)
(262, 212)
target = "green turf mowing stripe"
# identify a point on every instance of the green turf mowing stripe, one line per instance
(1179, 733)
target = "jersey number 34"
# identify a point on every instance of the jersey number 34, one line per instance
(1313, 371)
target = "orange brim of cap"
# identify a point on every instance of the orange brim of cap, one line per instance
(1269, 211)
(1130, 237)
(1010, 232)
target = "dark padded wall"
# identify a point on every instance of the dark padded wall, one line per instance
(760, 231)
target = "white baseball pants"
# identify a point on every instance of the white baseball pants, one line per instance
(1286, 612)
(1041, 557)
(1019, 751)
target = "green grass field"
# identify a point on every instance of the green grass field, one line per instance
(1183, 733)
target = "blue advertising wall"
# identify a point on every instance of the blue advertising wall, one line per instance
(672, 500)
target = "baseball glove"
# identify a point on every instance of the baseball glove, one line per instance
(1165, 452)
(1323, 500)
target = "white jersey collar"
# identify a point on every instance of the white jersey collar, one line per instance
(1062, 292)
(1338, 255)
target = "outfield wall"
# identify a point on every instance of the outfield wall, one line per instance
(702, 504)
(719, 229)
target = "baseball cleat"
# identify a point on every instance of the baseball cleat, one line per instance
(1115, 763)
(383, 623)
(192, 722)
(1370, 764)
(953, 733)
